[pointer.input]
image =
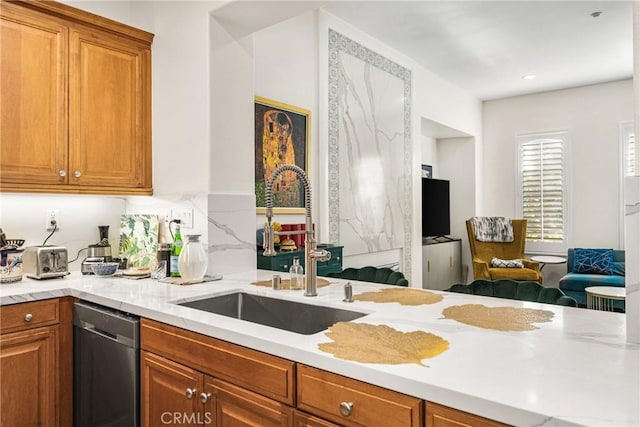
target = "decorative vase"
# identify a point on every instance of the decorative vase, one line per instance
(192, 263)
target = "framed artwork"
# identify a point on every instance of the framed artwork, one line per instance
(281, 138)
(427, 171)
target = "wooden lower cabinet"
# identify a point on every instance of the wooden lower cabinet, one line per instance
(302, 419)
(234, 406)
(178, 395)
(353, 403)
(28, 365)
(169, 391)
(192, 379)
(36, 348)
(443, 416)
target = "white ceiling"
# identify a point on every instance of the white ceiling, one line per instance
(485, 47)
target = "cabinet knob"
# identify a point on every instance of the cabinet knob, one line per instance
(205, 397)
(62, 173)
(77, 174)
(346, 408)
(28, 317)
(190, 393)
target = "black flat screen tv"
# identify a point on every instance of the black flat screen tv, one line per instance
(435, 208)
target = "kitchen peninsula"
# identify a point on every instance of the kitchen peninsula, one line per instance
(573, 369)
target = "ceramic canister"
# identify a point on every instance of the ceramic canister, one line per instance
(10, 265)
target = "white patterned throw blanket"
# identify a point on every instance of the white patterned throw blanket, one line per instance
(492, 228)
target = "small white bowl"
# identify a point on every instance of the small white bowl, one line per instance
(105, 268)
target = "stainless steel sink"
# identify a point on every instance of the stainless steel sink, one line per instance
(288, 315)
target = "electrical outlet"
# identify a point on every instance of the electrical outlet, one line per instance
(185, 215)
(53, 215)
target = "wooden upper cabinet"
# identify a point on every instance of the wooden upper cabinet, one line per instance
(107, 88)
(75, 102)
(33, 101)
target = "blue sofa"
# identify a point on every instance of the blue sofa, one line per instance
(573, 284)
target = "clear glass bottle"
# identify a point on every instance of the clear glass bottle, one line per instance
(192, 262)
(296, 274)
(176, 249)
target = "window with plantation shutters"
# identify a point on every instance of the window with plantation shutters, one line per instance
(542, 190)
(629, 150)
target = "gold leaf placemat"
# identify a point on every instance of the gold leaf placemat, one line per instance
(183, 282)
(366, 343)
(498, 318)
(286, 283)
(402, 296)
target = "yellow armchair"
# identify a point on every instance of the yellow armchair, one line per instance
(483, 252)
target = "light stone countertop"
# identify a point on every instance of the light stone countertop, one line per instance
(575, 370)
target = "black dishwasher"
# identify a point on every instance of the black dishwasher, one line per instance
(106, 360)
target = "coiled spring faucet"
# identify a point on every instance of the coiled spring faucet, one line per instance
(311, 254)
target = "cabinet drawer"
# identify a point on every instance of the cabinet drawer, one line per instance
(262, 373)
(29, 315)
(325, 394)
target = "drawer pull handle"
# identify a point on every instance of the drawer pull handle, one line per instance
(77, 174)
(346, 408)
(190, 393)
(205, 397)
(62, 173)
(28, 317)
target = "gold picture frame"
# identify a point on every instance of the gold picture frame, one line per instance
(281, 137)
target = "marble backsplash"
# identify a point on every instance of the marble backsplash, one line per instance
(224, 222)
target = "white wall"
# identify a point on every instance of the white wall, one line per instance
(286, 70)
(456, 159)
(453, 159)
(592, 115)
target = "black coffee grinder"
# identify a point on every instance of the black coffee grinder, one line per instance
(98, 252)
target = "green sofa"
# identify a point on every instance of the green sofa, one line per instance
(372, 274)
(518, 290)
(574, 284)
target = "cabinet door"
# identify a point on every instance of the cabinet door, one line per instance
(301, 419)
(169, 392)
(33, 102)
(231, 405)
(109, 92)
(28, 386)
(440, 265)
(443, 416)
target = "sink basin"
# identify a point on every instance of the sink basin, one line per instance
(288, 315)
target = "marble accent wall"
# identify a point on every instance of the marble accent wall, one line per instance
(370, 156)
(232, 243)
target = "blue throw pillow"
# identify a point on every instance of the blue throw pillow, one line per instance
(593, 261)
(618, 268)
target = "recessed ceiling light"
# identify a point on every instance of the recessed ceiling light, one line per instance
(529, 76)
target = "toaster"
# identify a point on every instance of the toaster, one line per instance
(45, 262)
